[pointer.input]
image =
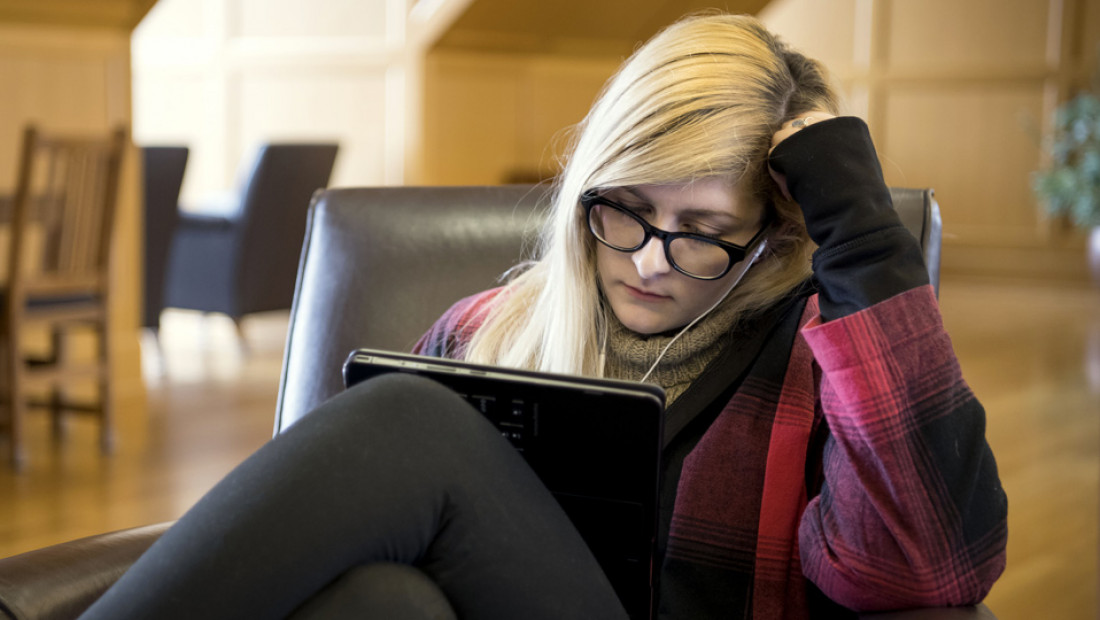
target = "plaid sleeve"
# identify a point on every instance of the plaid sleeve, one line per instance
(911, 512)
(451, 333)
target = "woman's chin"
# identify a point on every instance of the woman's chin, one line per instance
(644, 323)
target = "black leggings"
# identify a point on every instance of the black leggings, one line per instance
(397, 472)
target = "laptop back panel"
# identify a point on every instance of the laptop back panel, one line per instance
(594, 443)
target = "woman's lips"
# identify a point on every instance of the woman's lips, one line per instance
(644, 295)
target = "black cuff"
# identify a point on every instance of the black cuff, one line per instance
(868, 270)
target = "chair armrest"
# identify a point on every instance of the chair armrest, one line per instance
(970, 612)
(63, 580)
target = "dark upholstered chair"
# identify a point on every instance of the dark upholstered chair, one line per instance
(377, 268)
(244, 259)
(381, 264)
(162, 174)
(405, 248)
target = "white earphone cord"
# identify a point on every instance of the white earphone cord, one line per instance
(736, 281)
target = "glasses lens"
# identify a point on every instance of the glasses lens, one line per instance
(615, 227)
(698, 257)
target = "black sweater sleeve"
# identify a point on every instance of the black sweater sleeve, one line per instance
(865, 254)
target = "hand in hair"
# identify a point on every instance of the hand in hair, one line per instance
(788, 129)
(865, 254)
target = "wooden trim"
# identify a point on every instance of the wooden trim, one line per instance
(1046, 264)
(115, 14)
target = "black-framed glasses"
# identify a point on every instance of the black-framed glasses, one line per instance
(694, 255)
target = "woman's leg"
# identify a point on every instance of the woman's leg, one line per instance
(380, 590)
(397, 469)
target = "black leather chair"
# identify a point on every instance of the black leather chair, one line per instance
(413, 259)
(164, 167)
(378, 267)
(414, 255)
(244, 260)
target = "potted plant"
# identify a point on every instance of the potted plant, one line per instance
(1070, 188)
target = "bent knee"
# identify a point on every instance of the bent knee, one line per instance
(404, 404)
(379, 591)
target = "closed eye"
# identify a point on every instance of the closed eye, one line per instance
(705, 230)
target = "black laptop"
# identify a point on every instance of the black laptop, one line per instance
(594, 443)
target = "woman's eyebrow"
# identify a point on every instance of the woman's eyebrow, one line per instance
(638, 194)
(704, 212)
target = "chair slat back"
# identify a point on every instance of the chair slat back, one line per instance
(64, 211)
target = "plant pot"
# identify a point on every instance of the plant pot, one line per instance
(1094, 254)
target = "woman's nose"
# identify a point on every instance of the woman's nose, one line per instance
(650, 260)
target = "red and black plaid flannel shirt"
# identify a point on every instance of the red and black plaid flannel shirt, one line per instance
(904, 508)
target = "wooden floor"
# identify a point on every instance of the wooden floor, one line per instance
(1031, 353)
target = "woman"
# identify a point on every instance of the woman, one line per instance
(822, 450)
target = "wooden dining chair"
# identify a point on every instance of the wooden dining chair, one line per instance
(58, 277)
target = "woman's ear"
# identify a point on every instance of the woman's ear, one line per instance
(780, 182)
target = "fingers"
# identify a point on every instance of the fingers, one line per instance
(798, 123)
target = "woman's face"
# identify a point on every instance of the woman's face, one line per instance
(646, 293)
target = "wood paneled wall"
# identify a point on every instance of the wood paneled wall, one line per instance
(957, 95)
(498, 118)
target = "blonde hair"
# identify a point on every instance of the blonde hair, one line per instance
(701, 99)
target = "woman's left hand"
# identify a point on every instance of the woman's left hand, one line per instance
(787, 130)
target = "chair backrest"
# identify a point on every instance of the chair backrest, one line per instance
(163, 170)
(63, 214)
(379, 266)
(919, 211)
(274, 201)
